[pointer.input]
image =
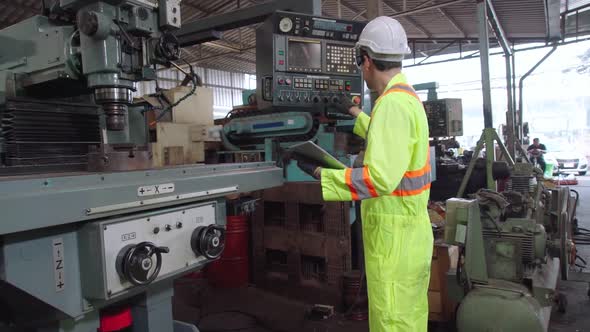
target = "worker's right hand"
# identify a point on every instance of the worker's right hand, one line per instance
(344, 106)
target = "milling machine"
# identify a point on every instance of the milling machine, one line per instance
(304, 64)
(514, 246)
(87, 224)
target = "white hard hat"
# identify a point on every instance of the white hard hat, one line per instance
(385, 39)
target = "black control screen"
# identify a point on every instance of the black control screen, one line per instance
(305, 54)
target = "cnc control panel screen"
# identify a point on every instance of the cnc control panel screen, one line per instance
(304, 54)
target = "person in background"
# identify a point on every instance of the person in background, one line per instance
(536, 152)
(393, 183)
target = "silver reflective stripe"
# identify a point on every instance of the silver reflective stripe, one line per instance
(358, 182)
(412, 184)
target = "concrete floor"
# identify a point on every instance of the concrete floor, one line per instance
(253, 310)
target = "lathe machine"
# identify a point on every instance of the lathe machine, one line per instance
(88, 226)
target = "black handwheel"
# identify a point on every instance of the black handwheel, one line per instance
(135, 262)
(208, 241)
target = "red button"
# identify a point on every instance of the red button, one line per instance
(281, 81)
(348, 88)
(356, 100)
(349, 28)
(281, 62)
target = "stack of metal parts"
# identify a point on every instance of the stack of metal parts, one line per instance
(301, 243)
(48, 134)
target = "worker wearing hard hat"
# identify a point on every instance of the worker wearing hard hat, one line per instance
(394, 184)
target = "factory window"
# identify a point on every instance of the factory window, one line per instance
(313, 268)
(310, 217)
(228, 87)
(276, 263)
(274, 213)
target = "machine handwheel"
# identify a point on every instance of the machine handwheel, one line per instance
(135, 262)
(208, 241)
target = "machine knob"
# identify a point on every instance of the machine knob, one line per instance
(208, 241)
(305, 30)
(289, 98)
(326, 100)
(298, 99)
(316, 99)
(140, 264)
(168, 228)
(281, 98)
(335, 100)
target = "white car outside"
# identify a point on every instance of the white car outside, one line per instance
(569, 161)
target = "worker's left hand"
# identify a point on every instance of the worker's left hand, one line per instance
(311, 168)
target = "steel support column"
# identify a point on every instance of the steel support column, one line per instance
(374, 8)
(505, 44)
(484, 51)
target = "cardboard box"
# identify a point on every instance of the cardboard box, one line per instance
(196, 109)
(174, 145)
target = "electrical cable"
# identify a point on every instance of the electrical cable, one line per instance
(190, 93)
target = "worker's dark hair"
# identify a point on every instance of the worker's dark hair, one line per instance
(536, 139)
(382, 65)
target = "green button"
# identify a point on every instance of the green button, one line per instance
(281, 53)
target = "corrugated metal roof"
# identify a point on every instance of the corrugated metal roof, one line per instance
(523, 20)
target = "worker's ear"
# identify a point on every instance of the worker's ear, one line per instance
(368, 62)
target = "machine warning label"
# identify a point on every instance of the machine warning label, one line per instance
(157, 189)
(58, 264)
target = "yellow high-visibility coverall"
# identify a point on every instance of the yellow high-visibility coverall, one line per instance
(394, 185)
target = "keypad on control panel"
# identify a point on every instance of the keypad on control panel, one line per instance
(341, 59)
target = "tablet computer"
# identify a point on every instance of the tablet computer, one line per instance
(313, 152)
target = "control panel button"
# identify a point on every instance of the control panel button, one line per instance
(156, 230)
(179, 225)
(281, 62)
(281, 81)
(168, 228)
(288, 81)
(356, 100)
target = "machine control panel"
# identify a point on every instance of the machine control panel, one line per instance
(139, 250)
(445, 117)
(312, 62)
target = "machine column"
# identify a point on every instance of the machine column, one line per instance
(154, 312)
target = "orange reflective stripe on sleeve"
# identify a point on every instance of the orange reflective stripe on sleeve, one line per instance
(415, 182)
(415, 192)
(361, 183)
(369, 182)
(421, 171)
(348, 177)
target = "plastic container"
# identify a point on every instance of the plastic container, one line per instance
(232, 269)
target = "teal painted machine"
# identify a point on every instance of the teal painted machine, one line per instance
(92, 228)
(311, 67)
(514, 247)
